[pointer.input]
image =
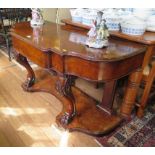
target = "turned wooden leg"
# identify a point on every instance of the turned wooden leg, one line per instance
(146, 92)
(147, 58)
(131, 92)
(63, 86)
(30, 76)
(108, 96)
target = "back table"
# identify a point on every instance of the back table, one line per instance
(60, 49)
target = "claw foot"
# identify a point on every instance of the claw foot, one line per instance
(66, 118)
(28, 83)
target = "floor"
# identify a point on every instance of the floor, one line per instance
(28, 119)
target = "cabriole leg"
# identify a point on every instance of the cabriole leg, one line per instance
(30, 76)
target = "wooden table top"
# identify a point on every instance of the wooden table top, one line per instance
(147, 38)
(57, 38)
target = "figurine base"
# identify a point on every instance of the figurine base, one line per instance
(36, 23)
(97, 43)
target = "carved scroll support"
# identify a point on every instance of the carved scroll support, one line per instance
(131, 93)
(63, 86)
(30, 76)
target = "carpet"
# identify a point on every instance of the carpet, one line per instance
(134, 133)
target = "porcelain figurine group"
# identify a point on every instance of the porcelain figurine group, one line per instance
(37, 18)
(98, 34)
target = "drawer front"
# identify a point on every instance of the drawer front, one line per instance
(32, 53)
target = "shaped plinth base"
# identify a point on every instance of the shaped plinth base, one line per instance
(89, 118)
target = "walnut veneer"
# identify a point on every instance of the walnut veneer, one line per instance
(61, 49)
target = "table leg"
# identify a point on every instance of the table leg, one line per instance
(30, 76)
(131, 92)
(108, 96)
(148, 55)
(146, 92)
(63, 86)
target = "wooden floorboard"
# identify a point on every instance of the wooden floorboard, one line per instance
(27, 119)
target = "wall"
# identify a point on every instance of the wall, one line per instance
(49, 14)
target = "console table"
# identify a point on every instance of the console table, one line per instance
(61, 50)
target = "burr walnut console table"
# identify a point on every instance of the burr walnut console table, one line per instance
(60, 49)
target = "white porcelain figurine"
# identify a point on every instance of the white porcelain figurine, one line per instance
(37, 18)
(98, 34)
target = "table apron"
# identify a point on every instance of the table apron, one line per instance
(100, 71)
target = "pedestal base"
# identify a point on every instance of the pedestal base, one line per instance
(89, 118)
